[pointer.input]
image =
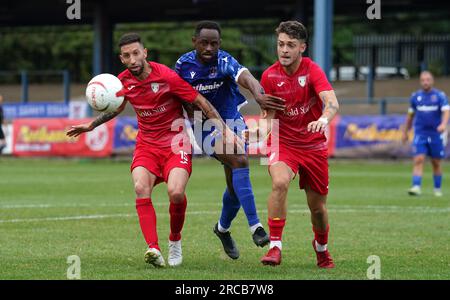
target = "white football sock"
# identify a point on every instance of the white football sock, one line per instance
(254, 227)
(320, 248)
(221, 229)
(275, 244)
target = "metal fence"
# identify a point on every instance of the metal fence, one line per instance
(23, 77)
(404, 50)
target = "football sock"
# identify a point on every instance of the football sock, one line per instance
(321, 238)
(276, 226)
(230, 208)
(276, 244)
(254, 227)
(243, 189)
(221, 228)
(147, 220)
(417, 180)
(177, 213)
(437, 179)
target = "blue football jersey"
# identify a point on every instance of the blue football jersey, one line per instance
(428, 107)
(216, 81)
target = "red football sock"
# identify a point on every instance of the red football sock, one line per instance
(320, 235)
(177, 213)
(147, 220)
(276, 227)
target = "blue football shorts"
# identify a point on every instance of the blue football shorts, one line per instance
(430, 145)
(208, 135)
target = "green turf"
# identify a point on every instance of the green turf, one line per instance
(51, 209)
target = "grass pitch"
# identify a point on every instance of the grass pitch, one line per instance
(51, 209)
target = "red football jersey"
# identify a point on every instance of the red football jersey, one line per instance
(303, 105)
(157, 103)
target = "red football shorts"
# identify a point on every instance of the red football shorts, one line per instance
(311, 165)
(160, 161)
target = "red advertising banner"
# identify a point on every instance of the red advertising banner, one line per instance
(47, 137)
(331, 135)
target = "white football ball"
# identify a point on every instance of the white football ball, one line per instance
(101, 93)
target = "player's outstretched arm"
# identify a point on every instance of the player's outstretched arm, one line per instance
(331, 109)
(76, 130)
(264, 100)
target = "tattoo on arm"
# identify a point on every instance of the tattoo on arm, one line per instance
(103, 118)
(330, 108)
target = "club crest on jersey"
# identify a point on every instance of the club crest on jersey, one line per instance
(302, 81)
(434, 98)
(213, 72)
(155, 87)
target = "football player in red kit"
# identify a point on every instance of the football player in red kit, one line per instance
(310, 105)
(163, 151)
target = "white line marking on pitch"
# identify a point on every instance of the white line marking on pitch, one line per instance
(14, 206)
(67, 218)
(345, 210)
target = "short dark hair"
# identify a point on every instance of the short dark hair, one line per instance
(129, 38)
(207, 25)
(293, 29)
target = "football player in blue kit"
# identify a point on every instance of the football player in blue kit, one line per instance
(216, 75)
(429, 109)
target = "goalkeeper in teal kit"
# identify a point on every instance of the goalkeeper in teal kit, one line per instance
(215, 74)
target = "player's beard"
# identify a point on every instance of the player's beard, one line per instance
(138, 72)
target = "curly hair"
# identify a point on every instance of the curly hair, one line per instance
(293, 29)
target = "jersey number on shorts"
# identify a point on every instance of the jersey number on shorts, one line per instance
(184, 158)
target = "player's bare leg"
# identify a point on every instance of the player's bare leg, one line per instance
(143, 185)
(319, 220)
(317, 206)
(281, 175)
(176, 187)
(437, 176)
(418, 162)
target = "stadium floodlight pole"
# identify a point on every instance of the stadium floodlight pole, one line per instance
(323, 34)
